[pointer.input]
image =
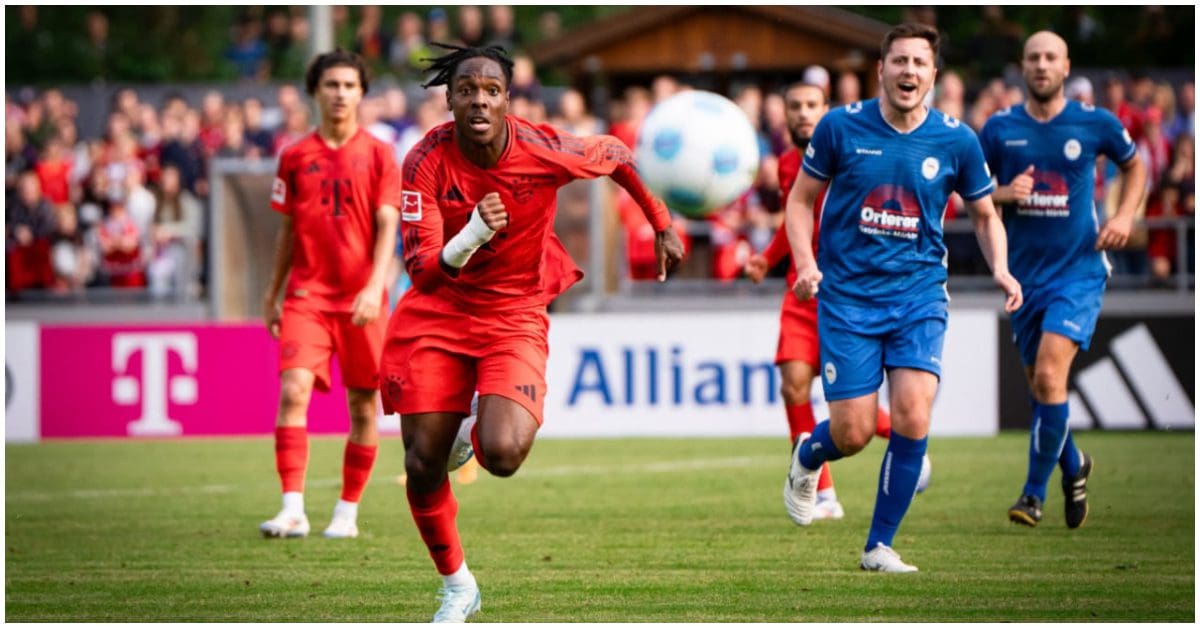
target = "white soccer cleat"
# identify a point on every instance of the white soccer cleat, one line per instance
(462, 450)
(342, 527)
(885, 559)
(800, 489)
(458, 603)
(828, 509)
(285, 525)
(926, 471)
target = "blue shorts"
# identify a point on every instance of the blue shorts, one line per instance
(859, 343)
(1067, 307)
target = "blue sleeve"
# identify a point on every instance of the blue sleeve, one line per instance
(1115, 142)
(974, 178)
(820, 158)
(987, 141)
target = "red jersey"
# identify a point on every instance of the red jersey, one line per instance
(332, 196)
(780, 248)
(524, 265)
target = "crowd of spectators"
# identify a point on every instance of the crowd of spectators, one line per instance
(129, 208)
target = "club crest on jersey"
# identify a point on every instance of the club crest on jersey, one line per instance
(1072, 149)
(929, 168)
(830, 373)
(279, 191)
(410, 206)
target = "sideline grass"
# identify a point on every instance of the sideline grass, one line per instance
(595, 531)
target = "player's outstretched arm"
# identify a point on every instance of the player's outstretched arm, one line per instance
(272, 312)
(798, 220)
(993, 241)
(368, 303)
(1116, 230)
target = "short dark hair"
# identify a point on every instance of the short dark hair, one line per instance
(911, 30)
(337, 58)
(446, 65)
(802, 83)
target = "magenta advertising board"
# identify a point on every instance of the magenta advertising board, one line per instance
(168, 380)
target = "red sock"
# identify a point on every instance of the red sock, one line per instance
(826, 479)
(883, 424)
(356, 470)
(291, 457)
(434, 514)
(800, 419)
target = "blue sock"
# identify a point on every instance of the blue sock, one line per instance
(897, 485)
(819, 449)
(1069, 459)
(1045, 442)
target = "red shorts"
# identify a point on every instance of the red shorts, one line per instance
(309, 337)
(798, 332)
(436, 358)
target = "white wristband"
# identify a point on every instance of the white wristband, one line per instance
(463, 245)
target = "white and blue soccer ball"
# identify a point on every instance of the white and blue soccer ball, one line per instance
(697, 151)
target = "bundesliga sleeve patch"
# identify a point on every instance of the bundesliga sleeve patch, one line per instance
(410, 206)
(278, 191)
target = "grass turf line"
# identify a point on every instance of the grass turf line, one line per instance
(594, 530)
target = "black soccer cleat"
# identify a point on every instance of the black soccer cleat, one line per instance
(1075, 504)
(1027, 511)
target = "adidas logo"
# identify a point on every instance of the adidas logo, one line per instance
(313, 167)
(1131, 389)
(453, 194)
(529, 390)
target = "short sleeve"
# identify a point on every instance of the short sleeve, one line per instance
(974, 177)
(1115, 141)
(283, 188)
(820, 158)
(389, 178)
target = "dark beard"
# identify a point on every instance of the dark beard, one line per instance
(800, 143)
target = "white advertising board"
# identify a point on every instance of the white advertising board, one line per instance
(21, 382)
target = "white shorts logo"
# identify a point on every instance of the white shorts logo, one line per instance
(410, 206)
(929, 168)
(810, 152)
(278, 191)
(830, 373)
(1072, 149)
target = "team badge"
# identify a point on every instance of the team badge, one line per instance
(830, 373)
(1072, 149)
(410, 206)
(278, 191)
(810, 152)
(929, 168)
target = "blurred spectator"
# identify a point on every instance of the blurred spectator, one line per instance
(1155, 152)
(819, 76)
(93, 57)
(295, 128)
(529, 109)
(470, 25)
(1184, 121)
(549, 25)
(122, 158)
(69, 257)
(1178, 199)
(1126, 112)
(438, 25)
(501, 28)
(370, 117)
(664, 87)
(278, 39)
(849, 88)
(950, 94)
(1080, 88)
(286, 97)
(430, 113)
(295, 57)
(370, 40)
(257, 136)
(1013, 96)
(182, 149)
(629, 114)
(408, 47)
(248, 52)
(991, 98)
(19, 155)
(28, 227)
(573, 116)
(120, 249)
(233, 138)
(775, 123)
(177, 232)
(212, 112)
(524, 82)
(54, 172)
(395, 110)
(78, 154)
(140, 204)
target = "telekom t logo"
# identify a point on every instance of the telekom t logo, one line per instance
(155, 388)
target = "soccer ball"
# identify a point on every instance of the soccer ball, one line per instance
(698, 152)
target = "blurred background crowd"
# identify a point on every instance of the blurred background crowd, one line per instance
(120, 197)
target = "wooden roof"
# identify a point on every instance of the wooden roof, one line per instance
(709, 38)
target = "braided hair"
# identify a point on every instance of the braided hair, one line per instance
(446, 65)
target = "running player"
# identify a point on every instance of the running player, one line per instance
(1045, 151)
(338, 190)
(797, 352)
(477, 210)
(892, 164)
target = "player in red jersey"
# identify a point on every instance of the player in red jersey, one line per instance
(798, 353)
(477, 211)
(338, 190)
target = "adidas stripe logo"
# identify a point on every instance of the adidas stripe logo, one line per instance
(529, 390)
(1132, 389)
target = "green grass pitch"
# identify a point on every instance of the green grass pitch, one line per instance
(595, 531)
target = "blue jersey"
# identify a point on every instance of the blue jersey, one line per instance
(1052, 234)
(881, 226)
